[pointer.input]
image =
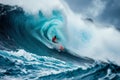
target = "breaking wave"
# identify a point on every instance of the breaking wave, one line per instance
(27, 50)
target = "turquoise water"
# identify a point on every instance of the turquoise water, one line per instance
(27, 52)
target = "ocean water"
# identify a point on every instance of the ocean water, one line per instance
(28, 53)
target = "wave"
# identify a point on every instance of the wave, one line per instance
(79, 36)
(98, 72)
(23, 65)
(26, 32)
(27, 50)
(25, 28)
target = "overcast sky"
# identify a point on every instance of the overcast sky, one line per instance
(106, 11)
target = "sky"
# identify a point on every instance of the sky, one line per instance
(104, 11)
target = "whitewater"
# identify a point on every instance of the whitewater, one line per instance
(91, 49)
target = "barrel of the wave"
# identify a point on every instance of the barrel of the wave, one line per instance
(52, 30)
(57, 38)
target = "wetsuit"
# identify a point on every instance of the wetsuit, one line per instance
(54, 39)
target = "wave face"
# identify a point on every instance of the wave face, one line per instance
(24, 28)
(28, 53)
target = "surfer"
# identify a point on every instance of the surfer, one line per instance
(54, 40)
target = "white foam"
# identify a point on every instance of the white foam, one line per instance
(35, 6)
